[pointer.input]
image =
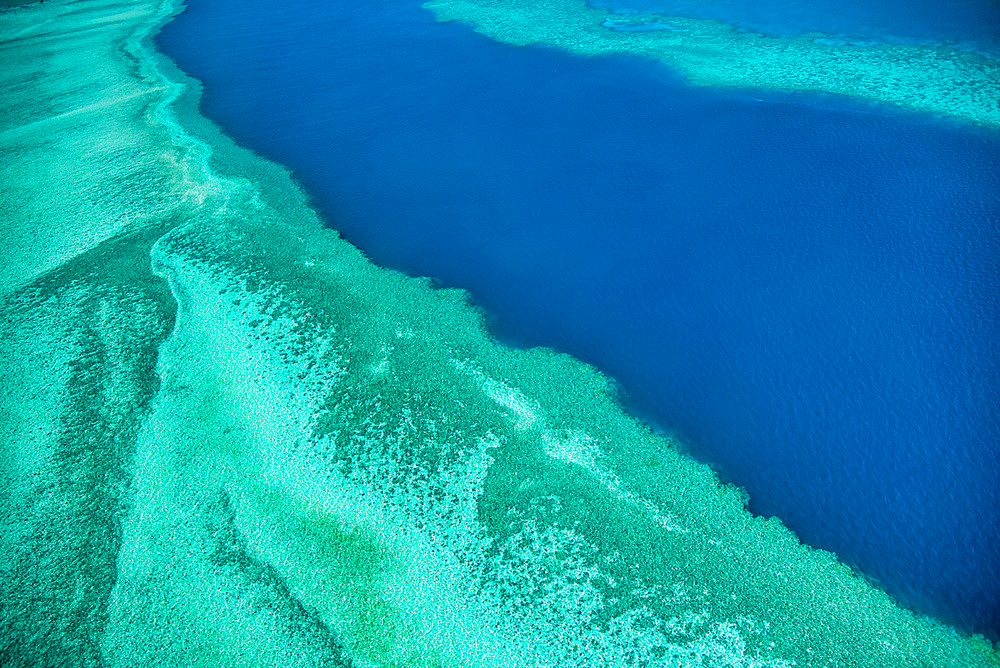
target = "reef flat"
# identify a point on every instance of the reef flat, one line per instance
(229, 439)
(710, 53)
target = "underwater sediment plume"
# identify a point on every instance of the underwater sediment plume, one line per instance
(229, 439)
(710, 53)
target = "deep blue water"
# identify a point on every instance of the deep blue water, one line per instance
(804, 288)
(966, 24)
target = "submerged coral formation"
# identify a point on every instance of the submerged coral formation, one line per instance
(230, 439)
(929, 79)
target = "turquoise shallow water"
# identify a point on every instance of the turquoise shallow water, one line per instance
(802, 288)
(230, 439)
(966, 24)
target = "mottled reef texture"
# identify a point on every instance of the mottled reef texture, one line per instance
(228, 439)
(938, 80)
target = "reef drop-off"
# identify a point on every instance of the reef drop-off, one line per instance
(230, 439)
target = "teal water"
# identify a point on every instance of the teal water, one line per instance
(230, 439)
(803, 289)
(965, 24)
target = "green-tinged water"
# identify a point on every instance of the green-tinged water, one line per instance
(231, 440)
(928, 79)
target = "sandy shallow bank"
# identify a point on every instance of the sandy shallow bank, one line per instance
(229, 439)
(709, 53)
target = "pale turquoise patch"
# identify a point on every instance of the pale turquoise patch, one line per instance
(231, 440)
(937, 80)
